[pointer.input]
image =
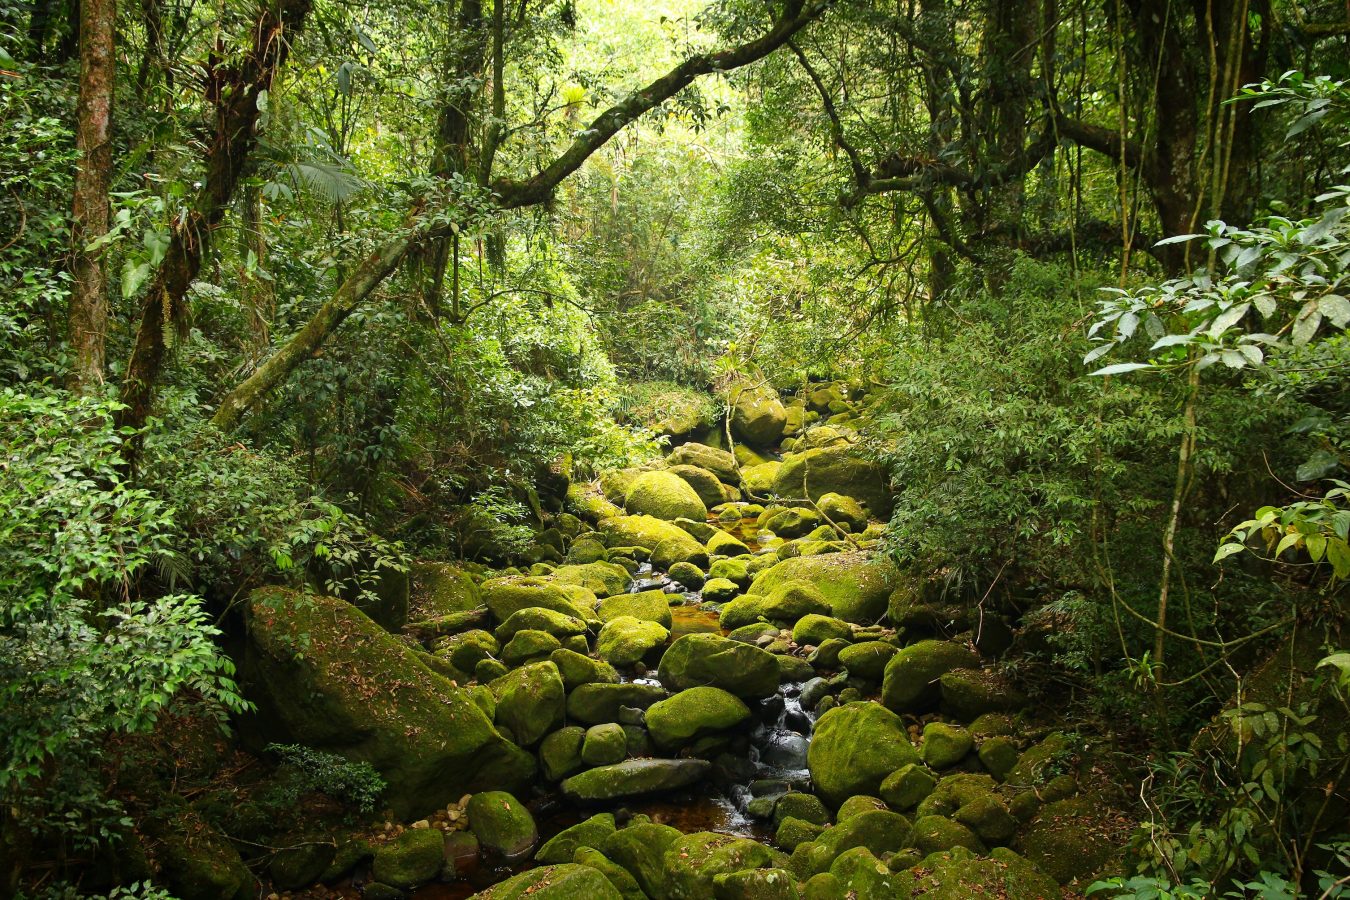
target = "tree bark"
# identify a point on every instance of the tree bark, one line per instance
(236, 94)
(362, 282)
(89, 220)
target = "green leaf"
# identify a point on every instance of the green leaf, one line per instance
(1305, 326)
(1121, 368)
(1227, 550)
(133, 276)
(1336, 309)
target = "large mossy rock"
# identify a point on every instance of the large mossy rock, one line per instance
(197, 862)
(666, 542)
(323, 674)
(835, 470)
(693, 860)
(649, 606)
(507, 596)
(707, 485)
(719, 462)
(664, 495)
(590, 504)
(589, 833)
(756, 884)
(854, 748)
(537, 618)
(641, 851)
(867, 659)
(635, 778)
(959, 874)
(411, 859)
(692, 714)
(759, 480)
(604, 579)
(565, 882)
(912, 681)
(856, 586)
(698, 660)
(783, 605)
(502, 824)
(578, 669)
(758, 416)
(1070, 839)
(530, 701)
(595, 704)
(626, 640)
(622, 880)
(441, 589)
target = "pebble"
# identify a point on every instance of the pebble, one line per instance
(421, 823)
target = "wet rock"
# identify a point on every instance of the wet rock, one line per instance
(697, 660)
(785, 750)
(635, 777)
(854, 748)
(665, 496)
(604, 744)
(597, 703)
(625, 640)
(562, 847)
(564, 882)
(578, 669)
(411, 859)
(693, 713)
(530, 701)
(502, 824)
(687, 574)
(360, 692)
(911, 678)
(649, 606)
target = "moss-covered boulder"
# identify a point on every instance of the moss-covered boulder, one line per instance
(945, 745)
(759, 480)
(562, 846)
(719, 462)
(604, 579)
(641, 850)
(634, 778)
(597, 703)
(197, 862)
(911, 682)
(578, 669)
(792, 832)
(1042, 761)
(688, 575)
(649, 606)
(867, 659)
(756, 884)
(604, 745)
(665, 542)
(967, 694)
(806, 807)
(879, 830)
(855, 586)
(665, 496)
(835, 470)
(565, 882)
(814, 629)
(529, 645)
(587, 549)
(960, 874)
(323, 674)
(560, 752)
(466, 649)
(723, 544)
(441, 589)
(530, 701)
(698, 660)
(621, 879)
(784, 604)
(614, 483)
(720, 590)
(506, 596)
(705, 484)
(757, 414)
(502, 824)
(933, 834)
(693, 860)
(998, 754)
(989, 817)
(907, 786)
(590, 504)
(694, 713)
(1070, 839)
(843, 510)
(411, 859)
(626, 640)
(791, 522)
(854, 748)
(860, 874)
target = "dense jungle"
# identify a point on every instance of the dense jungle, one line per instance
(674, 449)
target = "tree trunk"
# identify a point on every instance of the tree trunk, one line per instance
(237, 92)
(89, 220)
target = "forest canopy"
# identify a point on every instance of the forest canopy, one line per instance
(966, 376)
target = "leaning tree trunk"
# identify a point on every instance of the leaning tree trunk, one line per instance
(88, 312)
(235, 91)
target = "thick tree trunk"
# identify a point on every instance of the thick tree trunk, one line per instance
(164, 306)
(89, 221)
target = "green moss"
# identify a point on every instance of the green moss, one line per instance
(529, 645)
(604, 745)
(641, 849)
(604, 579)
(649, 606)
(577, 669)
(560, 752)
(806, 807)
(617, 875)
(854, 748)
(665, 496)
(634, 778)
(411, 859)
(667, 543)
(693, 860)
(506, 596)
(1069, 839)
(933, 834)
(835, 470)
(911, 679)
(723, 544)
(692, 714)
(867, 659)
(502, 824)
(907, 786)
(596, 703)
(720, 590)
(814, 629)
(625, 640)
(536, 618)
(785, 604)
(530, 701)
(793, 832)
(440, 589)
(988, 817)
(998, 754)
(564, 882)
(855, 586)
(857, 804)
(756, 884)
(959, 875)
(465, 650)
(945, 745)
(562, 847)
(758, 416)
(698, 660)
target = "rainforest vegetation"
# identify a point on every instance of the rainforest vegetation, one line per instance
(672, 449)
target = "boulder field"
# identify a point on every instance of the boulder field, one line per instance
(705, 626)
